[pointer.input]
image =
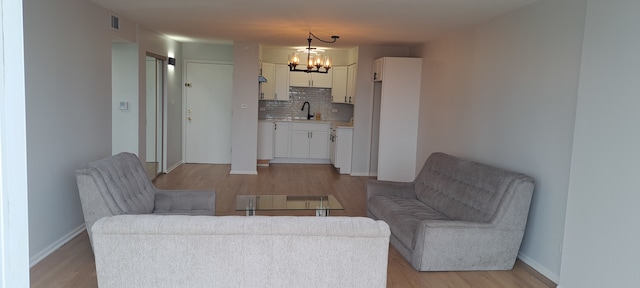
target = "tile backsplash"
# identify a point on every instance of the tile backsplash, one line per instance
(319, 98)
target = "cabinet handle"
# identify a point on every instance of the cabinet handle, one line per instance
(275, 126)
(375, 76)
(345, 98)
(349, 99)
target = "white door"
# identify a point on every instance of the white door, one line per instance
(208, 113)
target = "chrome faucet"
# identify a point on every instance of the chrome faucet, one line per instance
(308, 111)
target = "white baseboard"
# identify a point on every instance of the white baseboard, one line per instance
(363, 174)
(244, 172)
(55, 245)
(300, 161)
(174, 166)
(538, 267)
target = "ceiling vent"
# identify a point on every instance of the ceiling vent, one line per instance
(115, 22)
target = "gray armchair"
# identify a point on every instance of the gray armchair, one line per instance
(119, 185)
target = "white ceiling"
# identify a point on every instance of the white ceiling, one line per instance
(287, 22)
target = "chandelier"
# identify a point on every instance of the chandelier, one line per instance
(315, 61)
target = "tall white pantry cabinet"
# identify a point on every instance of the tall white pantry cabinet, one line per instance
(397, 92)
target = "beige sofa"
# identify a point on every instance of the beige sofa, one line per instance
(456, 215)
(237, 251)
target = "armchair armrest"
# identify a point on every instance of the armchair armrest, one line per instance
(388, 188)
(445, 245)
(194, 202)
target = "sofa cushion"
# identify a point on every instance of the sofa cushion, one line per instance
(461, 189)
(403, 216)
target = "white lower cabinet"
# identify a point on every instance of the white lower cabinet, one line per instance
(342, 145)
(281, 139)
(310, 140)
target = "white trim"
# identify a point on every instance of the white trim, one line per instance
(14, 213)
(360, 174)
(540, 268)
(174, 166)
(55, 245)
(300, 161)
(244, 172)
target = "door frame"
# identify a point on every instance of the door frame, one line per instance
(185, 62)
(165, 89)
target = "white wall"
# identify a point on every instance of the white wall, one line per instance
(602, 221)
(244, 122)
(124, 88)
(362, 110)
(14, 232)
(209, 52)
(68, 101)
(504, 93)
(69, 108)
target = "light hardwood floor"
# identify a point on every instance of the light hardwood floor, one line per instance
(73, 264)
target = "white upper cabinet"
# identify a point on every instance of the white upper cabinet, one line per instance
(267, 89)
(277, 85)
(344, 84)
(351, 83)
(319, 80)
(282, 82)
(339, 88)
(378, 69)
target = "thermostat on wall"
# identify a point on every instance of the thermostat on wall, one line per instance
(124, 105)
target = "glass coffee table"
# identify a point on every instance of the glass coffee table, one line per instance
(322, 204)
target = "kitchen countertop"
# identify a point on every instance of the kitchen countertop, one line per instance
(338, 124)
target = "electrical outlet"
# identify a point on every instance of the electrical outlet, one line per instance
(334, 110)
(244, 106)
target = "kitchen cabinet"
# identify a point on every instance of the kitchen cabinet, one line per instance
(310, 140)
(377, 69)
(351, 83)
(277, 85)
(344, 84)
(319, 80)
(265, 140)
(396, 100)
(267, 89)
(282, 82)
(281, 139)
(339, 85)
(341, 147)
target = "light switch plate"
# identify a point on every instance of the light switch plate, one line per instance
(123, 105)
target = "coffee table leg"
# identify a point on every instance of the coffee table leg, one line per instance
(322, 212)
